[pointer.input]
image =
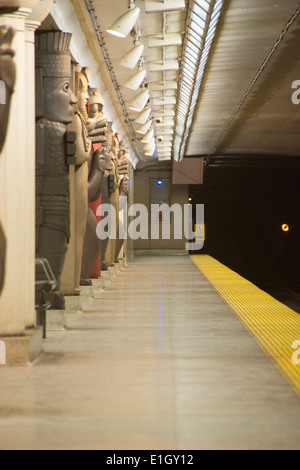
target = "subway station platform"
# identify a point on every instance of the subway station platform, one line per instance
(175, 353)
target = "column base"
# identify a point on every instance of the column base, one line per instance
(23, 350)
(73, 304)
(56, 320)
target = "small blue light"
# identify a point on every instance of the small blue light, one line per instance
(159, 182)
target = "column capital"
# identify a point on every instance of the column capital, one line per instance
(31, 25)
(16, 19)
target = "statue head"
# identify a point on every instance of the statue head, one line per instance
(96, 102)
(53, 64)
(7, 79)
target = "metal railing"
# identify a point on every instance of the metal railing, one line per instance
(43, 287)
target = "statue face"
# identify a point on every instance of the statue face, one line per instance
(95, 109)
(59, 100)
(7, 79)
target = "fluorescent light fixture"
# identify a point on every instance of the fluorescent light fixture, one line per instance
(140, 101)
(143, 116)
(125, 24)
(131, 59)
(148, 137)
(144, 128)
(201, 24)
(135, 82)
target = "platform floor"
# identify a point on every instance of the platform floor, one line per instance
(158, 361)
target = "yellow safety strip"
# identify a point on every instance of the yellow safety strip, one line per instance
(275, 327)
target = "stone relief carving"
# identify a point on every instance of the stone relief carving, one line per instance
(98, 179)
(55, 111)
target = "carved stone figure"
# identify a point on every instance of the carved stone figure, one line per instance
(97, 121)
(55, 102)
(114, 199)
(7, 82)
(123, 169)
(98, 176)
(108, 189)
(72, 271)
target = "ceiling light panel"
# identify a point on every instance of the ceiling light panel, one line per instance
(201, 23)
(158, 27)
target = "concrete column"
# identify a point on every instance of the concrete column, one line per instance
(14, 184)
(29, 233)
(17, 176)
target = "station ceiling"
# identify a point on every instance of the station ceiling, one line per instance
(244, 107)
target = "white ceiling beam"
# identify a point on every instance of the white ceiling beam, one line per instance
(169, 131)
(165, 123)
(158, 6)
(166, 138)
(162, 66)
(164, 101)
(163, 113)
(162, 144)
(163, 158)
(168, 85)
(170, 39)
